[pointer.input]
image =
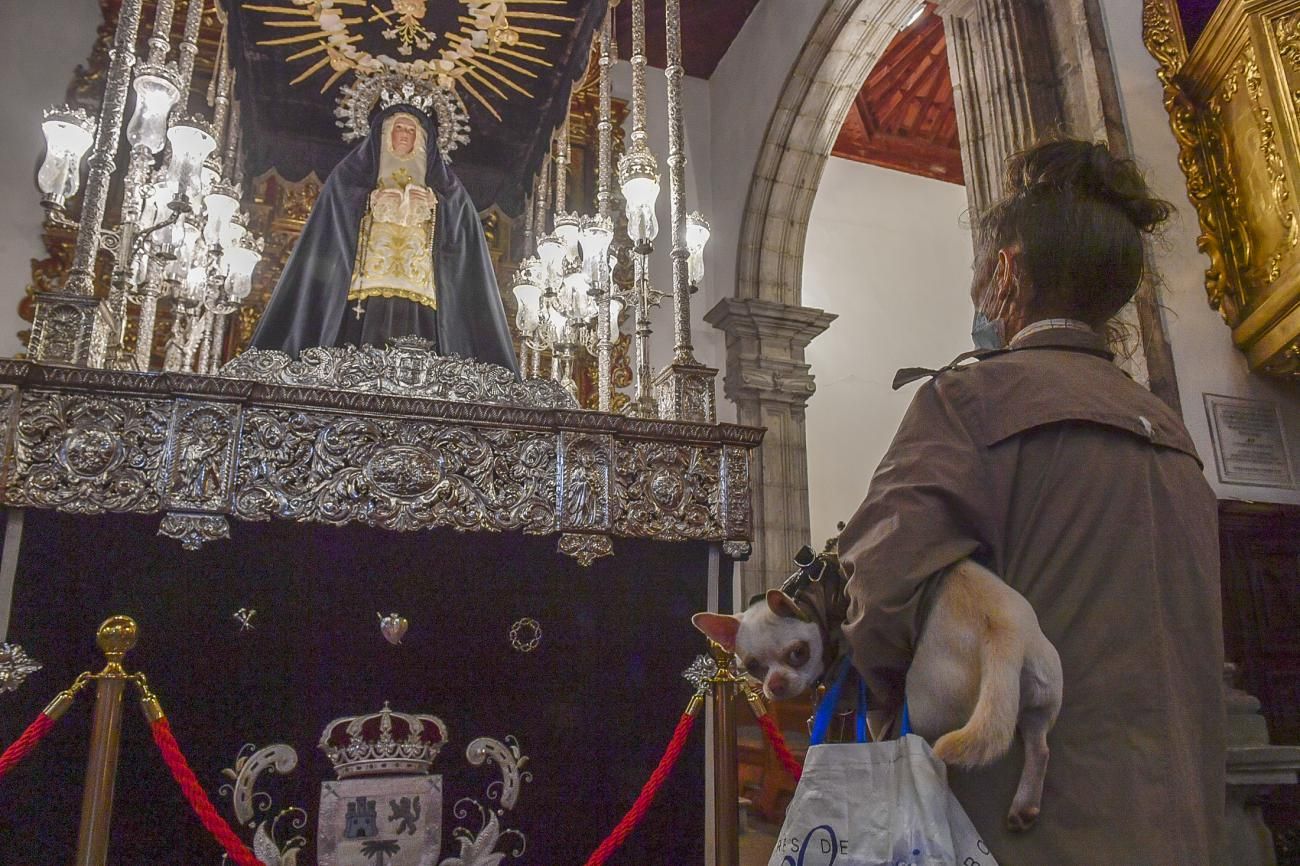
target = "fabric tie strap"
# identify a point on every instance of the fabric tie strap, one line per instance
(908, 375)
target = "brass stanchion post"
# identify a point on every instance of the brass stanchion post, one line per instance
(116, 636)
(726, 781)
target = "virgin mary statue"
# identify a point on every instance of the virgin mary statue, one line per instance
(393, 247)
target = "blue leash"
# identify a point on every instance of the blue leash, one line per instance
(826, 709)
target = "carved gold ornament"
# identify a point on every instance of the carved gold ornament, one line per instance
(488, 56)
(1234, 103)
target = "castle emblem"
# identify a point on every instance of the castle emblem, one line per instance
(385, 808)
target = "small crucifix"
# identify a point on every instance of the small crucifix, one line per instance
(359, 310)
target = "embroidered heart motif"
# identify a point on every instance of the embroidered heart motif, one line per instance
(393, 626)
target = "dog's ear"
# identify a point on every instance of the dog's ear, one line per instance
(719, 628)
(782, 605)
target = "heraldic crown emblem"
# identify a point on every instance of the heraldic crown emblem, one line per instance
(383, 743)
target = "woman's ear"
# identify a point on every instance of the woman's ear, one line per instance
(1013, 290)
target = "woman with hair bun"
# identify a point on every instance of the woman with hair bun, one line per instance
(1083, 491)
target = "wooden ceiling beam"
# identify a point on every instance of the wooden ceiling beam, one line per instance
(903, 117)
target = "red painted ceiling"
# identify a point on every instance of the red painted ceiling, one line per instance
(904, 117)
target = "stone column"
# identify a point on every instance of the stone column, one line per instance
(1003, 85)
(770, 383)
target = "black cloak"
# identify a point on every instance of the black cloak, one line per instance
(308, 305)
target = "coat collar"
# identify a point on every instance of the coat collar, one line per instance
(1070, 339)
(1062, 338)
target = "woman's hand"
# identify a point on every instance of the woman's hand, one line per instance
(421, 195)
(389, 197)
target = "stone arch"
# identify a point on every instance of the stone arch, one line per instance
(839, 53)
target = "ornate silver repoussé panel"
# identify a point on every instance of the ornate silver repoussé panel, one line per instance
(397, 438)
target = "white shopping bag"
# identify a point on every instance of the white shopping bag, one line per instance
(875, 804)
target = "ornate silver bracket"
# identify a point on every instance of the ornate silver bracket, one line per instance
(62, 326)
(737, 550)
(15, 667)
(684, 392)
(192, 530)
(584, 547)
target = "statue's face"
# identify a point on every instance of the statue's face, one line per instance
(403, 136)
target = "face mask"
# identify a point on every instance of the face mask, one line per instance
(987, 333)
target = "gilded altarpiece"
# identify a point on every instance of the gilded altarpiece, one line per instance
(1234, 105)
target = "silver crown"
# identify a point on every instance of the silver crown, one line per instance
(383, 743)
(381, 90)
(407, 93)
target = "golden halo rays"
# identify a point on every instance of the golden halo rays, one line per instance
(486, 59)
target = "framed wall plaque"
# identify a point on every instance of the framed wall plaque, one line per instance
(1249, 444)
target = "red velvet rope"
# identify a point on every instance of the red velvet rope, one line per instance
(197, 797)
(783, 753)
(642, 804)
(24, 744)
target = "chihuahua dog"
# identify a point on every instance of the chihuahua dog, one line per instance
(982, 667)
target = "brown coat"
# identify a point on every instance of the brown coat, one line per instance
(1084, 492)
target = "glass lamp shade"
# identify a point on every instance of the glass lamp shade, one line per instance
(529, 298)
(525, 322)
(697, 238)
(178, 243)
(550, 249)
(209, 175)
(193, 287)
(240, 260)
(190, 146)
(595, 236)
(576, 297)
(558, 320)
(156, 200)
(154, 98)
(220, 206)
(642, 193)
(66, 142)
(531, 271)
(566, 226)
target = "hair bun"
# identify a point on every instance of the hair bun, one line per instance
(1091, 169)
(1120, 182)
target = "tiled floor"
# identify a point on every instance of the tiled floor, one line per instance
(757, 839)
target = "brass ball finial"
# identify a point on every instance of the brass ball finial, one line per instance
(116, 637)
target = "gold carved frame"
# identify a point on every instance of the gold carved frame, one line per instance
(1234, 105)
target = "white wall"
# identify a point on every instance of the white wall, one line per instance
(889, 253)
(743, 90)
(1204, 357)
(40, 45)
